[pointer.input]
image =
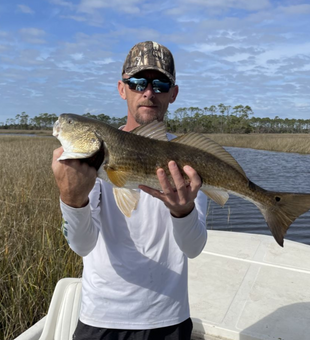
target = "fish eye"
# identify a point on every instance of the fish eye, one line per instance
(70, 121)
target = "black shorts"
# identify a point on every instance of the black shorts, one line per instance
(180, 331)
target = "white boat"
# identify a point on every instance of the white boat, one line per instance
(242, 287)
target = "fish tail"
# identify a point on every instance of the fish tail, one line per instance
(284, 210)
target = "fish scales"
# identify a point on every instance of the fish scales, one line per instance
(142, 157)
(131, 159)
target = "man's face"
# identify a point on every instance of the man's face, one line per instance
(147, 106)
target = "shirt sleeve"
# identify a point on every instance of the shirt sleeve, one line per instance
(190, 232)
(79, 224)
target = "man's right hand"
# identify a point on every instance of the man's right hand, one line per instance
(75, 179)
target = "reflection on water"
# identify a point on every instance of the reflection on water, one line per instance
(276, 171)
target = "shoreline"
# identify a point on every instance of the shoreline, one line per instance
(291, 143)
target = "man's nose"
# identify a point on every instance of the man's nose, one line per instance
(149, 92)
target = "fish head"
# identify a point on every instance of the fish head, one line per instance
(77, 135)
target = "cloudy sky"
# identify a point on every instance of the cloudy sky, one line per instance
(66, 56)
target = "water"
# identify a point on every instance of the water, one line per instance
(276, 171)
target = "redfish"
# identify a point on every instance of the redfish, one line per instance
(128, 160)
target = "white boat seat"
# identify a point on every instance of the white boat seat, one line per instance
(64, 310)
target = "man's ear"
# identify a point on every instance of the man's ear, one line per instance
(175, 91)
(121, 89)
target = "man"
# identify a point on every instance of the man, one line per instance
(135, 269)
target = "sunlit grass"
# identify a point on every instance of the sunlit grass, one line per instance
(33, 252)
(20, 132)
(297, 143)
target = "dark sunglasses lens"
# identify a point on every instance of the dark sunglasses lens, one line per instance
(138, 84)
(160, 86)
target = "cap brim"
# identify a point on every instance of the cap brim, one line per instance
(136, 70)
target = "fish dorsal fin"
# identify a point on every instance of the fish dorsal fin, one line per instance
(117, 177)
(208, 145)
(217, 195)
(155, 130)
(126, 200)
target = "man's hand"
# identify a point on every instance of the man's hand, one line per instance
(74, 179)
(180, 197)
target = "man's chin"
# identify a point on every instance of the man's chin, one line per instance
(147, 116)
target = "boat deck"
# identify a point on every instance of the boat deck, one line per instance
(245, 286)
(242, 287)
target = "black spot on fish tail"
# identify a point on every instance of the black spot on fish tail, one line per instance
(97, 159)
(252, 186)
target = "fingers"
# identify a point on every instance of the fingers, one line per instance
(178, 195)
(184, 188)
(164, 182)
(153, 192)
(177, 176)
(57, 153)
(74, 179)
(194, 178)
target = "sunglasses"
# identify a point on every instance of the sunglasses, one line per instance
(140, 84)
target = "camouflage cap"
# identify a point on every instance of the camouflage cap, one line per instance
(150, 55)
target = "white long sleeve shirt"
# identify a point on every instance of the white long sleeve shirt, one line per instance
(135, 269)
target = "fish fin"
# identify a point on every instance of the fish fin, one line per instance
(117, 177)
(284, 211)
(154, 130)
(73, 155)
(126, 200)
(208, 145)
(218, 196)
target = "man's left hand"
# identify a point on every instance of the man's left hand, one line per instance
(180, 197)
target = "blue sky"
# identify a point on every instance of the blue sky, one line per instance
(66, 56)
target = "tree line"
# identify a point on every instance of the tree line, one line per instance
(45, 121)
(214, 119)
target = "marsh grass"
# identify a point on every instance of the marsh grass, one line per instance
(33, 252)
(297, 143)
(27, 132)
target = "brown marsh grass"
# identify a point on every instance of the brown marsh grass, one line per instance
(297, 143)
(33, 252)
(27, 132)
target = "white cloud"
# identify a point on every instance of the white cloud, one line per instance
(209, 8)
(128, 6)
(241, 4)
(25, 9)
(283, 51)
(297, 9)
(104, 61)
(32, 31)
(63, 3)
(77, 56)
(32, 35)
(74, 17)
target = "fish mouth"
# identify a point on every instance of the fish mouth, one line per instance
(56, 128)
(96, 160)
